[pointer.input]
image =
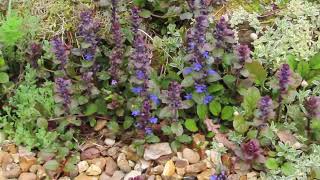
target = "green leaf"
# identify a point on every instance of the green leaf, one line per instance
(4, 78)
(240, 125)
(202, 111)
(292, 61)
(191, 125)
(251, 97)
(91, 109)
(145, 13)
(272, 164)
(187, 81)
(229, 80)
(215, 88)
(303, 69)
(152, 139)
(184, 139)
(175, 145)
(186, 15)
(177, 128)
(165, 112)
(42, 123)
(198, 98)
(114, 126)
(51, 165)
(166, 130)
(315, 61)
(257, 72)
(215, 108)
(128, 122)
(139, 3)
(227, 113)
(288, 168)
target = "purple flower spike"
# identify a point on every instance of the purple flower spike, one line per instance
(63, 89)
(312, 105)
(243, 53)
(117, 52)
(266, 109)
(174, 95)
(155, 99)
(197, 66)
(224, 35)
(252, 151)
(60, 50)
(88, 30)
(148, 130)
(284, 78)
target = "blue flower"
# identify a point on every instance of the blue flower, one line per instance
(212, 72)
(153, 120)
(135, 113)
(207, 99)
(139, 74)
(155, 99)
(191, 45)
(188, 96)
(213, 177)
(114, 82)
(200, 88)
(197, 66)
(88, 56)
(187, 71)
(206, 54)
(136, 90)
(148, 130)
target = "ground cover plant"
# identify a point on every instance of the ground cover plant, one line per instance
(150, 89)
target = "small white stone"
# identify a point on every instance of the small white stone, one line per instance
(83, 166)
(131, 163)
(236, 113)
(109, 142)
(304, 83)
(253, 36)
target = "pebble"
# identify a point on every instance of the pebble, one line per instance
(113, 151)
(205, 175)
(64, 178)
(181, 171)
(169, 169)
(154, 151)
(117, 175)
(26, 162)
(180, 163)
(11, 171)
(85, 177)
(123, 163)
(82, 166)
(111, 166)
(100, 162)
(90, 153)
(104, 176)
(157, 170)
(27, 176)
(132, 174)
(109, 142)
(190, 155)
(100, 125)
(196, 168)
(93, 170)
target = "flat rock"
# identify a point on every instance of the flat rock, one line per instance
(154, 151)
(111, 166)
(157, 170)
(104, 176)
(27, 176)
(169, 169)
(123, 163)
(90, 153)
(205, 175)
(190, 155)
(109, 142)
(117, 175)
